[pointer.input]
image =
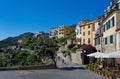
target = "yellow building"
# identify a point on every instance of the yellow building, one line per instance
(88, 32)
(64, 31)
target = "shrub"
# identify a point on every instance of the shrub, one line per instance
(71, 46)
(74, 49)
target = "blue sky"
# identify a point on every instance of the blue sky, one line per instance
(19, 16)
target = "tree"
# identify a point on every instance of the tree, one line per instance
(87, 49)
(44, 47)
(50, 48)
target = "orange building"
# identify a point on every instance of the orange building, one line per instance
(88, 32)
(64, 31)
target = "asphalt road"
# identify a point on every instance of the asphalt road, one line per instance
(64, 71)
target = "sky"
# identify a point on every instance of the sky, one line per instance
(20, 16)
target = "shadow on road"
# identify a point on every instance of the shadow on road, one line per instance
(72, 68)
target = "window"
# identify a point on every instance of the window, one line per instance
(98, 41)
(111, 39)
(83, 40)
(95, 41)
(77, 31)
(113, 23)
(88, 40)
(88, 32)
(84, 27)
(118, 5)
(109, 24)
(89, 26)
(83, 33)
(105, 40)
(105, 27)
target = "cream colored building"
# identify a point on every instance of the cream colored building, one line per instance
(109, 35)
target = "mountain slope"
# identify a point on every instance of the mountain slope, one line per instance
(14, 40)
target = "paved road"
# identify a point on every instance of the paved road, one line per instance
(65, 71)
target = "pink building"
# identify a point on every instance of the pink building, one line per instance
(118, 43)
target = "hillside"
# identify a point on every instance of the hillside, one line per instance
(73, 26)
(14, 40)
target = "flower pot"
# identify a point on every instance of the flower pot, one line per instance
(96, 72)
(110, 77)
(103, 74)
(99, 73)
(106, 75)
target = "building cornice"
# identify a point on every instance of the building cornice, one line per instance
(91, 22)
(109, 15)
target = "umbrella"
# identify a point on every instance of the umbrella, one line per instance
(109, 55)
(114, 55)
(103, 55)
(95, 54)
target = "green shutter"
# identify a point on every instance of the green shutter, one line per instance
(104, 27)
(99, 40)
(105, 40)
(109, 24)
(113, 21)
(111, 39)
(88, 40)
(88, 32)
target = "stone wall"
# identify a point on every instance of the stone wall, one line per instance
(28, 67)
(78, 57)
(110, 47)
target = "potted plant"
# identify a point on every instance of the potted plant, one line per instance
(99, 72)
(103, 72)
(106, 74)
(110, 75)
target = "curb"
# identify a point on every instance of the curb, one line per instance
(28, 68)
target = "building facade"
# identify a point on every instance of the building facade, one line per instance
(88, 32)
(118, 28)
(64, 31)
(98, 34)
(53, 32)
(40, 34)
(111, 23)
(78, 33)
